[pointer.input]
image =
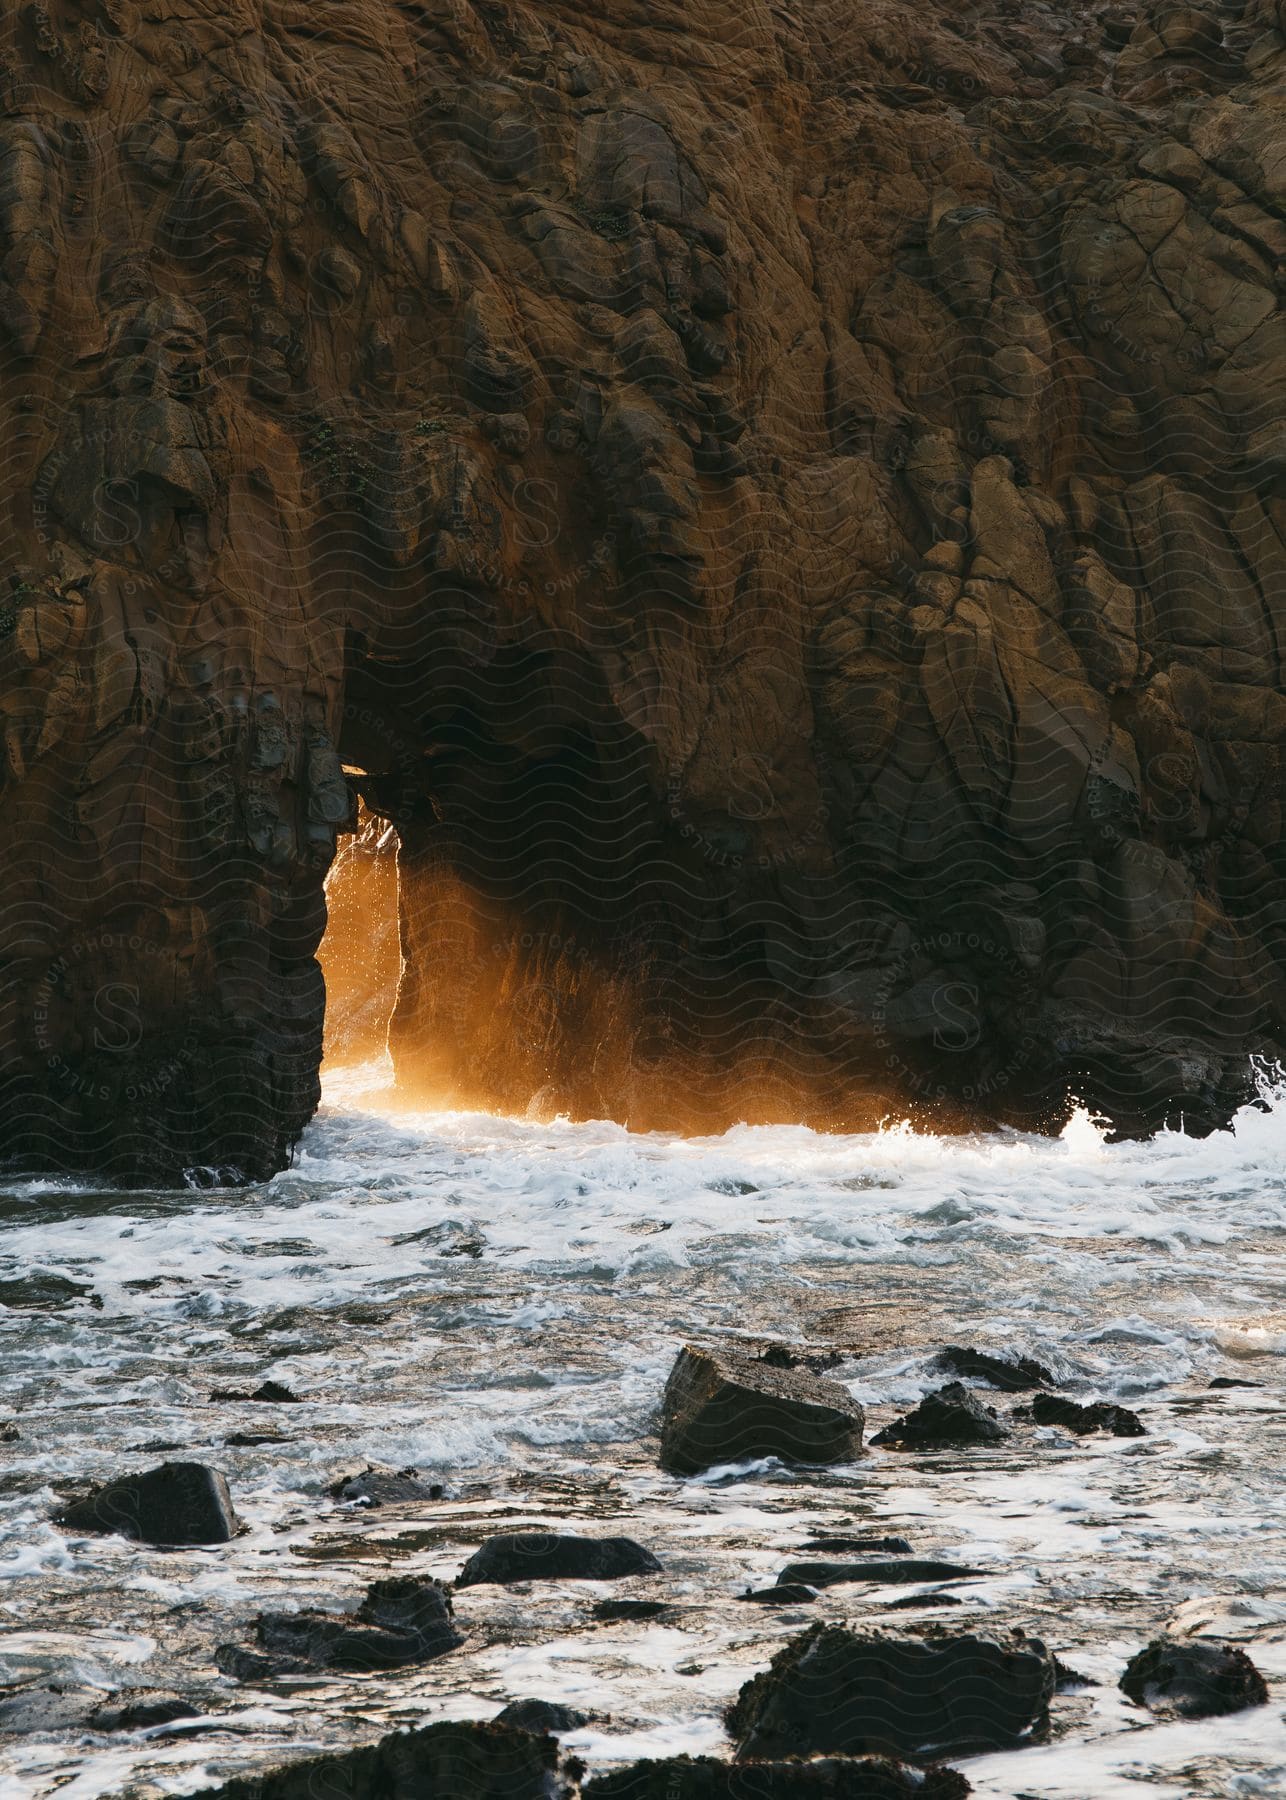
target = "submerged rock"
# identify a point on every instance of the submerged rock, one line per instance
(384, 1487)
(784, 1593)
(722, 1407)
(1193, 1680)
(1052, 1409)
(838, 1545)
(457, 1760)
(269, 1393)
(541, 1715)
(178, 1503)
(793, 1356)
(1012, 1373)
(401, 1621)
(951, 1417)
(609, 1611)
(555, 1556)
(832, 1574)
(831, 1690)
(830, 1778)
(141, 1711)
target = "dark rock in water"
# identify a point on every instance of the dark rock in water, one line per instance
(1233, 1381)
(862, 1546)
(8, 1434)
(141, 1712)
(1194, 1679)
(832, 1574)
(385, 1487)
(605, 1611)
(555, 1556)
(785, 1593)
(951, 1417)
(46, 1293)
(1012, 1373)
(919, 1602)
(790, 1356)
(179, 1503)
(1052, 1409)
(268, 1392)
(831, 1690)
(401, 1621)
(829, 1778)
(721, 1407)
(541, 1715)
(453, 1761)
(245, 1440)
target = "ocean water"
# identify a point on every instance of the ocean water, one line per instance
(497, 1302)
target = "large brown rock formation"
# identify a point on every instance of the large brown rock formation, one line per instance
(781, 503)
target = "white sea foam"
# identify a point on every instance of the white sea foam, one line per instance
(498, 1301)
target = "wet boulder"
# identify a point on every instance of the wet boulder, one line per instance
(1052, 1409)
(384, 1487)
(832, 1691)
(1013, 1374)
(401, 1621)
(826, 1778)
(177, 1503)
(541, 1715)
(555, 1556)
(874, 1569)
(1193, 1680)
(721, 1407)
(950, 1418)
(464, 1760)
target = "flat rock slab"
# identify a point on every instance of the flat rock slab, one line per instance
(950, 1418)
(178, 1503)
(722, 1407)
(875, 1569)
(831, 1691)
(1052, 1409)
(1193, 1680)
(459, 1760)
(829, 1778)
(555, 1556)
(401, 1622)
(1013, 1374)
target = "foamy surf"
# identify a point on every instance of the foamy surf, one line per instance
(497, 1302)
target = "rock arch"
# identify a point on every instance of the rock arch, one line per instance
(784, 510)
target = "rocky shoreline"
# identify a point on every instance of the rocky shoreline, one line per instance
(841, 1712)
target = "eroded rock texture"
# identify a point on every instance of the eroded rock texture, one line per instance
(782, 505)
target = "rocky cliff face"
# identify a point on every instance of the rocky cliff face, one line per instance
(782, 505)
